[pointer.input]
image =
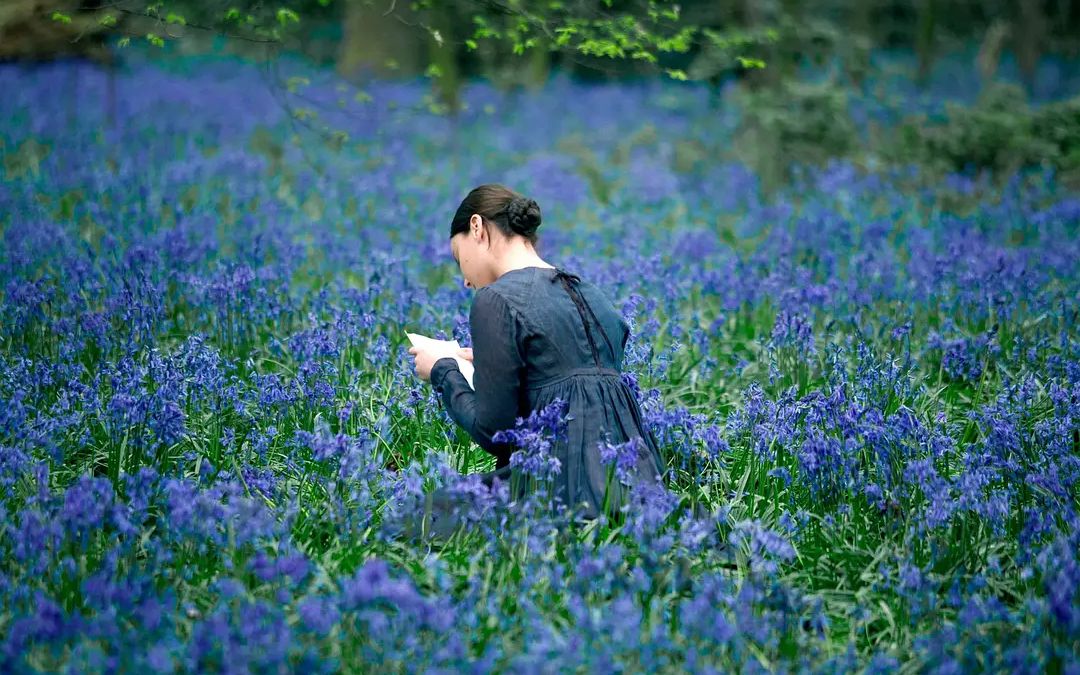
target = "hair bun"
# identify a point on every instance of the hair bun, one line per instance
(523, 215)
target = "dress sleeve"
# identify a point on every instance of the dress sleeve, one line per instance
(498, 376)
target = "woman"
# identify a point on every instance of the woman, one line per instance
(538, 334)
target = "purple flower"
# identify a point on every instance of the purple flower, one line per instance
(624, 457)
(535, 437)
(318, 614)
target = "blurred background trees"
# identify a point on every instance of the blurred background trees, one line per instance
(399, 37)
(766, 47)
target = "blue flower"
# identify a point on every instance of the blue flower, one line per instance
(535, 438)
(623, 457)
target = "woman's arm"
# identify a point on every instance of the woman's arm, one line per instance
(500, 370)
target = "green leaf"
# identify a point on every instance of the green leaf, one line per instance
(470, 44)
(591, 47)
(284, 16)
(175, 18)
(62, 18)
(108, 20)
(232, 15)
(155, 40)
(676, 74)
(750, 63)
(123, 42)
(433, 70)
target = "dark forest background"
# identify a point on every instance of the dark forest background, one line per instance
(1013, 110)
(386, 37)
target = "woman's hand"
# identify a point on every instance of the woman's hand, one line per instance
(426, 358)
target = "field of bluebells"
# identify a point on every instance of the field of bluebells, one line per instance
(866, 387)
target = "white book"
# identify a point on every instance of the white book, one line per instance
(445, 347)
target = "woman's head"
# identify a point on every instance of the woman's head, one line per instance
(476, 245)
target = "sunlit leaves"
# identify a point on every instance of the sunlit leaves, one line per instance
(286, 16)
(750, 63)
(680, 42)
(641, 30)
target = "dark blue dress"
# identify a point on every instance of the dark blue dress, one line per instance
(539, 334)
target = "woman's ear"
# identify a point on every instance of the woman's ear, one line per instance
(476, 226)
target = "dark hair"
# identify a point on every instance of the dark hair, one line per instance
(511, 212)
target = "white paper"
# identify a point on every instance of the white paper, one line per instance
(445, 348)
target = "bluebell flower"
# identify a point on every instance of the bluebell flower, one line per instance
(534, 437)
(318, 614)
(623, 457)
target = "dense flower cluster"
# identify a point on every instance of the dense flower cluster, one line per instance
(534, 438)
(866, 389)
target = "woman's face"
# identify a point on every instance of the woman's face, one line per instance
(473, 253)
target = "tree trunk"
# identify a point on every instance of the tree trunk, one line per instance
(28, 31)
(1030, 32)
(380, 45)
(924, 39)
(447, 85)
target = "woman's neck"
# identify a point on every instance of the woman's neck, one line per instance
(518, 255)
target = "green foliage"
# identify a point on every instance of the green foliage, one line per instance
(1000, 132)
(636, 30)
(639, 32)
(793, 123)
(995, 133)
(749, 63)
(1059, 124)
(287, 16)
